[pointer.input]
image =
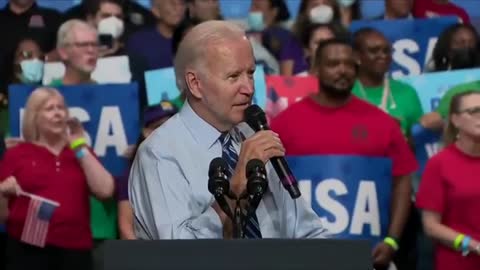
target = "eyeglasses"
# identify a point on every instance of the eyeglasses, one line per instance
(84, 45)
(474, 111)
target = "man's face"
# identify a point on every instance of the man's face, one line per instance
(204, 10)
(81, 52)
(336, 70)
(226, 85)
(400, 9)
(106, 10)
(170, 12)
(375, 54)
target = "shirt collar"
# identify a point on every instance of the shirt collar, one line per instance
(204, 133)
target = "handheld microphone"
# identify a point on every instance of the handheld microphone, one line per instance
(218, 183)
(257, 182)
(255, 118)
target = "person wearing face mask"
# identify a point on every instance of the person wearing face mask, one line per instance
(294, 60)
(108, 17)
(264, 23)
(458, 47)
(27, 69)
(136, 15)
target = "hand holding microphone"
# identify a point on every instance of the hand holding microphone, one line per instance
(256, 119)
(262, 146)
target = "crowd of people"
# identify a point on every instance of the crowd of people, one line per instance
(363, 112)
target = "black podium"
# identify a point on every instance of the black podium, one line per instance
(264, 254)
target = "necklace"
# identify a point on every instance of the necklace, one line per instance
(386, 95)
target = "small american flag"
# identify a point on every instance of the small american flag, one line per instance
(39, 213)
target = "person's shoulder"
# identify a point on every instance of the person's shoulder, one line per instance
(162, 139)
(20, 150)
(142, 35)
(443, 156)
(401, 85)
(293, 110)
(372, 112)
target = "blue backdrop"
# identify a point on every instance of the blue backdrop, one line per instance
(351, 194)
(109, 113)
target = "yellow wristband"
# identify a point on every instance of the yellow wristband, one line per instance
(391, 242)
(77, 143)
(457, 243)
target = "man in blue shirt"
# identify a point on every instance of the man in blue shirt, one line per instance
(168, 180)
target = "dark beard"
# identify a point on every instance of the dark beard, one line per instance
(335, 93)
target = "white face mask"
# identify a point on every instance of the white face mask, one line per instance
(111, 26)
(321, 14)
(346, 3)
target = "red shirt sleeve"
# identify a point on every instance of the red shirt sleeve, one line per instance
(404, 162)
(431, 193)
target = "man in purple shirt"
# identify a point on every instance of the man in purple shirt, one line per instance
(154, 44)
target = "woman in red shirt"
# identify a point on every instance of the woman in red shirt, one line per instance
(449, 192)
(55, 163)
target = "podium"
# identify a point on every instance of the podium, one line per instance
(242, 254)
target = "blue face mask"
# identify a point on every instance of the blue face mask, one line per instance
(32, 71)
(255, 21)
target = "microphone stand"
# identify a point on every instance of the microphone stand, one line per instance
(238, 217)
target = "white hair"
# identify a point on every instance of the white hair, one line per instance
(67, 28)
(193, 47)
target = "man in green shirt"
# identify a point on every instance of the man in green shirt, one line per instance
(434, 120)
(374, 56)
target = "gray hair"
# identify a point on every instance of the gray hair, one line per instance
(64, 34)
(193, 47)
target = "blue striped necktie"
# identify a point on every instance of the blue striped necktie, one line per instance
(229, 154)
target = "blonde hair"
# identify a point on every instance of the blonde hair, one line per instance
(35, 102)
(196, 43)
(451, 132)
(64, 34)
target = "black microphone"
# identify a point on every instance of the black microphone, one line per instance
(257, 182)
(218, 183)
(256, 119)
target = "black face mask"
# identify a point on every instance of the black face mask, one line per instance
(464, 58)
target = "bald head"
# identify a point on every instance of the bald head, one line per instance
(205, 37)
